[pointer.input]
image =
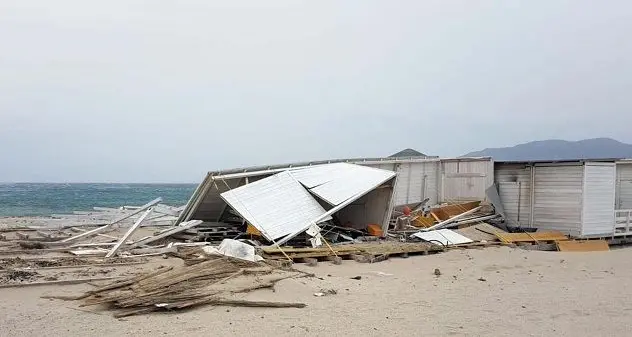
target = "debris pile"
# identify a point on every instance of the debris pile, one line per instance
(213, 281)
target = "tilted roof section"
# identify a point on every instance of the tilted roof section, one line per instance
(281, 204)
(336, 183)
(277, 206)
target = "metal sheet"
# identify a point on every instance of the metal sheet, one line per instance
(599, 195)
(277, 206)
(336, 183)
(445, 236)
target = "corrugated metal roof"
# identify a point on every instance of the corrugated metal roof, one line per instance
(336, 183)
(276, 206)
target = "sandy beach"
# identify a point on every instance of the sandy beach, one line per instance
(493, 291)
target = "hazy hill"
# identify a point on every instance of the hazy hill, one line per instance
(559, 149)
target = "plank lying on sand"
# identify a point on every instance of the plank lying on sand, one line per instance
(183, 226)
(532, 237)
(583, 246)
(62, 282)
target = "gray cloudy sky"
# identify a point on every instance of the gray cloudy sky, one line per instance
(163, 91)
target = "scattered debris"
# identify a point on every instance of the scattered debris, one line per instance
(325, 292)
(19, 275)
(437, 272)
(444, 237)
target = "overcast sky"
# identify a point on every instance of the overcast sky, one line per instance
(163, 91)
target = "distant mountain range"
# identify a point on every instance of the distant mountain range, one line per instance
(598, 148)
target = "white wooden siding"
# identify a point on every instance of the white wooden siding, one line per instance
(466, 179)
(558, 198)
(599, 195)
(415, 182)
(370, 209)
(514, 188)
(624, 186)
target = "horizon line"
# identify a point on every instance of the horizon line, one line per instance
(97, 182)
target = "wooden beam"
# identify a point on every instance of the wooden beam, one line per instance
(130, 231)
(76, 229)
(183, 226)
(101, 229)
(452, 219)
(63, 282)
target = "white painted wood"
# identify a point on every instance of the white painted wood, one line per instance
(624, 186)
(129, 232)
(416, 181)
(336, 183)
(466, 179)
(558, 198)
(452, 219)
(277, 206)
(445, 236)
(182, 227)
(514, 189)
(599, 196)
(108, 226)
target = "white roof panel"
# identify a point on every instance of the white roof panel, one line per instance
(277, 206)
(338, 182)
(445, 236)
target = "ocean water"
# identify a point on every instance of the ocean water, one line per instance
(26, 199)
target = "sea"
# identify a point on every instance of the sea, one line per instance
(29, 199)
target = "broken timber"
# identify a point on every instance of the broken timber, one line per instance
(183, 226)
(103, 228)
(129, 232)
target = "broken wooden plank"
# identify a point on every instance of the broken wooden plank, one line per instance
(531, 237)
(81, 252)
(183, 226)
(129, 232)
(161, 250)
(103, 228)
(44, 234)
(22, 236)
(583, 246)
(62, 282)
(76, 229)
(452, 219)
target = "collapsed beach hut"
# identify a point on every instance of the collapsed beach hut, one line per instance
(283, 203)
